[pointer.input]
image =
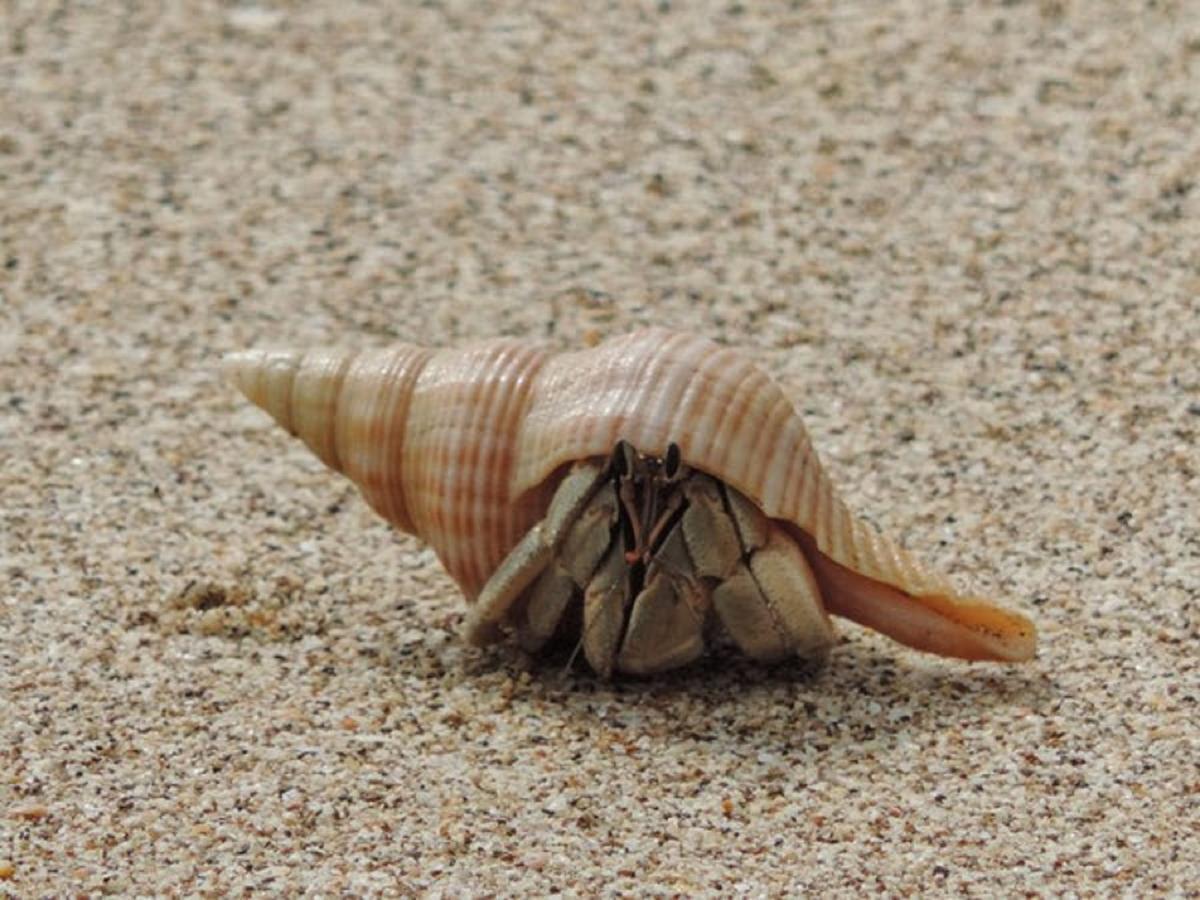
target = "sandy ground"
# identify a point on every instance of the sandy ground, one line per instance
(963, 236)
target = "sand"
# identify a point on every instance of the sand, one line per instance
(962, 236)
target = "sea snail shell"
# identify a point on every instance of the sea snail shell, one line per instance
(466, 447)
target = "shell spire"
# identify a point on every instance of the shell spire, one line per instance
(422, 433)
(298, 390)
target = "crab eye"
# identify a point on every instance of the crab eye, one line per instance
(623, 459)
(672, 462)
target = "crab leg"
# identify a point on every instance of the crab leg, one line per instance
(533, 553)
(585, 544)
(767, 597)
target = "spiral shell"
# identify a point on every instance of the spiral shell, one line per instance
(464, 447)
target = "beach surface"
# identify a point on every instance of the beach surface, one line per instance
(965, 238)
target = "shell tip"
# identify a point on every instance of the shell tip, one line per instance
(265, 377)
(234, 367)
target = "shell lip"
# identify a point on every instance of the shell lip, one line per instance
(942, 623)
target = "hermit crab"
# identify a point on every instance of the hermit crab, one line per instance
(640, 499)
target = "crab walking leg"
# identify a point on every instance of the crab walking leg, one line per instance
(714, 543)
(767, 598)
(524, 563)
(657, 623)
(547, 603)
(589, 537)
(793, 596)
(587, 540)
(772, 609)
(708, 531)
(529, 558)
(748, 618)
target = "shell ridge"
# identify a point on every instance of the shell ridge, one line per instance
(644, 387)
(515, 516)
(726, 459)
(700, 396)
(668, 398)
(280, 382)
(373, 412)
(398, 435)
(778, 448)
(395, 410)
(469, 402)
(328, 375)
